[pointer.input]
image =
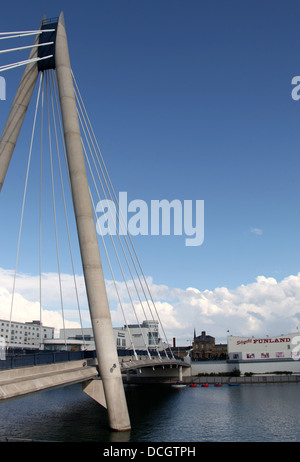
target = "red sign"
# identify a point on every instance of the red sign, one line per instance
(270, 340)
(264, 340)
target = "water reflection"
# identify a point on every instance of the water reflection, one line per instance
(266, 412)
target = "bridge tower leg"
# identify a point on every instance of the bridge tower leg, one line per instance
(94, 280)
(17, 113)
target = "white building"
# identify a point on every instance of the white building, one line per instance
(257, 356)
(137, 336)
(251, 348)
(24, 335)
(265, 355)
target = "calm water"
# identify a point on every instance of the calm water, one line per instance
(262, 412)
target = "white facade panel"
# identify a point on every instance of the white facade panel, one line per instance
(251, 348)
(138, 337)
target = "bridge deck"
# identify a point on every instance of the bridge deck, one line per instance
(20, 381)
(147, 362)
(25, 380)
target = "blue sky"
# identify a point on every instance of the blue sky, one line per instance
(189, 100)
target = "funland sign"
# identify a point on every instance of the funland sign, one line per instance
(264, 340)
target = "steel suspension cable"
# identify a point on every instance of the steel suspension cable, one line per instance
(3, 35)
(52, 86)
(114, 194)
(116, 253)
(40, 210)
(22, 63)
(54, 212)
(88, 137)
(107, 255)
(21, 34)
(90, 168)
(115, 285)
(23, 207)
(8, 50)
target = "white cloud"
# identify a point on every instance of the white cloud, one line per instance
(257, 231)
(25, 305)
(263, 307)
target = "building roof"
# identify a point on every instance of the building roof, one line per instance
(203, 337)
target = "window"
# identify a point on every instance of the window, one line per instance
(153, 338)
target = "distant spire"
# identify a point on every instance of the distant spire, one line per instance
(194, 333)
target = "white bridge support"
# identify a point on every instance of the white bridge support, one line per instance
(94, 280)
(180, 373)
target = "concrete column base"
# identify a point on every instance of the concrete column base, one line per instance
(94, 388)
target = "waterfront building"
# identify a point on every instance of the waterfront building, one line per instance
(268, 348)
(259, 356)
(205, 348)
(29, 335)
(133, 336)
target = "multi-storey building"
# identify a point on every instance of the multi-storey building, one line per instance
(24, 335)
(134, 336)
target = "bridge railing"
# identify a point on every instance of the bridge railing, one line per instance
(43, 357)
(142, 353)
(38, 358)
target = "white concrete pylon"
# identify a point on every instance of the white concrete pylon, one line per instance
(95, 286)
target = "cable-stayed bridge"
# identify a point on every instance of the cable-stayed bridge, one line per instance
(39, 371)
(63, 144)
